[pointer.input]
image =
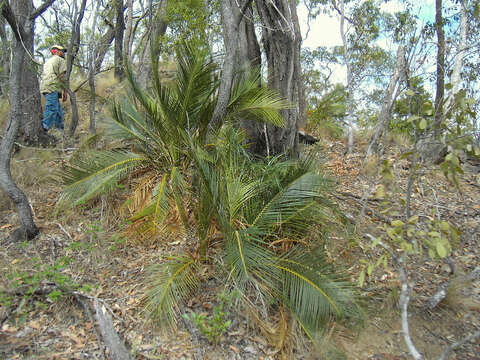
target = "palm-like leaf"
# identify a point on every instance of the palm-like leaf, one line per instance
(94, 173)
(251, 101)
(291, 205)
(171, 283)
(312, 289)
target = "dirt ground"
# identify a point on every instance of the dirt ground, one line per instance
(46, 328)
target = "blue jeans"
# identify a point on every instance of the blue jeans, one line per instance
(53, 114)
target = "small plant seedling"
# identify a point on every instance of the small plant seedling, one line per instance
(213, 327)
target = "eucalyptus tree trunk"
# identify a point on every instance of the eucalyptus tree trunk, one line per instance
(4, 59)
(128, 39)
(350, 87)
(28, 230)
(91, 69)
(249, 51)
(231, 18)
(302, 103)
(103, 46)
(440, 90)
(455, 78)
(386, 112)
(21, 20)
(30, 118)
(119, 32)
(156, 29)
(280, 43)
(72, 52)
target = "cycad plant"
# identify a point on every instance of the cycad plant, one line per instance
(261, 213)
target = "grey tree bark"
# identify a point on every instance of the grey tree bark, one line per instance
(128, 39)
(4, 59)
(157, 28)
(455, 78)
(231, 17)
(91, 69)
(119, 32)
(280, 43)
(350, 99)
(71, 54)
(440, 83)
(302, 103)
(103, 45)
(386, 112)
(30, 128)
(21, 20)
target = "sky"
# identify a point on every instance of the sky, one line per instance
(325, 29)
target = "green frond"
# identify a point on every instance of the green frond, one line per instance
(93, 173)
(291, 202)
(313, 290)
(250, 262)
(170, 283)
(249, 100)
(194, 85)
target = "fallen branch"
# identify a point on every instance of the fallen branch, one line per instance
(455, 345)
(87, 309)
(110, 337)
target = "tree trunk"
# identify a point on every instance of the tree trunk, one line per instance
(103, 46)
(128, 40)
(455, 78)
(280, 44)
(302, 103)
(439, 94)
(21, 20)
(91, 69)
(28, 230)
(249, 50)
(157, 28)
(4, 59)
(119, 31)
(386, 112)
(350, 87)
(71, 54)
(30, 128)
(230, 26)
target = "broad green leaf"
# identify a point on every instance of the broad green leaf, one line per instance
(422, 125)
(432, 253)
(361, 278)
(445, 226)
(441, 250)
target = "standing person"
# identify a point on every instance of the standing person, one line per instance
(52, 86)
